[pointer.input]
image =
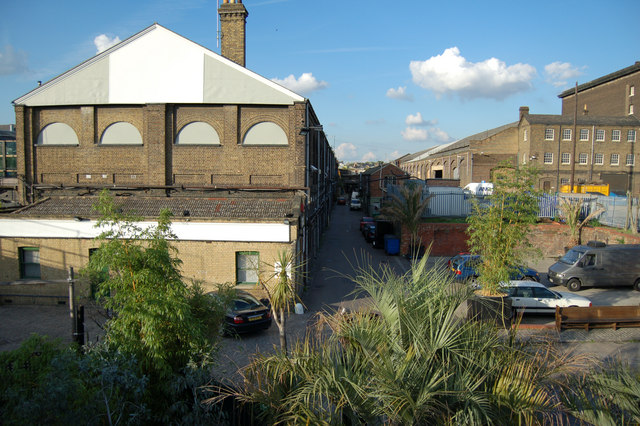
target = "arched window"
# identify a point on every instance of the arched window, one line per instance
(57, 134)
(456, 173)
(121, 133)
(198, 133)
(265, 133)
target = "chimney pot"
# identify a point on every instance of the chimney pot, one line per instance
(233, 20)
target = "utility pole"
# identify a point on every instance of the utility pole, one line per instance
(575, 138)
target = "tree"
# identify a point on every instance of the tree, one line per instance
(407, 209)
(570, 211)
(406, 359)
(498, 231)
(281, 291)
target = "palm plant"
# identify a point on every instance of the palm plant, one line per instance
(281, 290)
(407, 209)
(409, 358)
(570, 210)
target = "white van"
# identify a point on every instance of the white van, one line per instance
(479, 188)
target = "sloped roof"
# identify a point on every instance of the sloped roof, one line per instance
(604, 79)
(375, 169)
(150, 207)
(582, 120)
(463, 143)
(157, 65)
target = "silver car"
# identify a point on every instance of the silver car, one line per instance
(530, 296)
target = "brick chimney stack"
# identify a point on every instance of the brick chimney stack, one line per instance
(233, 21)
(524, 110)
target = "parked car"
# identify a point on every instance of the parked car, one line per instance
(598, 264)
(355, 204)
(369, 232)
(530, 296)
(247, 314)
(364, 220)
(342, 201)
(464, 268)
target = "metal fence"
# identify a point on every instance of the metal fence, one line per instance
(454, 202)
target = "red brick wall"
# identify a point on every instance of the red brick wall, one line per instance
(448, 239)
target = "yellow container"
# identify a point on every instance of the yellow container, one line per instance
(583, 189)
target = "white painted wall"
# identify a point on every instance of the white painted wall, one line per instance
(188, 231)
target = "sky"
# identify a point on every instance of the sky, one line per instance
(385, 78)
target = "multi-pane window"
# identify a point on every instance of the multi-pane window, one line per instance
(526, 135)
(584, 134)
(8, 159)
(631, 109)
(247, 267)
(632, 90)
(548, 158)
(583, 158)
(29, 262)
(564, 181)
(631, 136)
(615, 135)
(548, 134)
(600, 135)
(615, 159)
(566, 134)
(630, 160)
(599, 159)
(566, 158)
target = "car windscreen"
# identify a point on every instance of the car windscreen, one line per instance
(572, 256)
(244, 303)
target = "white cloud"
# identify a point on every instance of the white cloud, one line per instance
(394, 155)
(400, 93)
(414, 134)
(417, 120)
(305, 84)
(103, 42)
(559, 72)
(431, 135)
(369, 156)
(451, 73)
(12, 61)
(345, 151)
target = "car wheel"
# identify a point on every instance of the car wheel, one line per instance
(636, 285)
(574, 284)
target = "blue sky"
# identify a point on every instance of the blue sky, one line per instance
(385, 78)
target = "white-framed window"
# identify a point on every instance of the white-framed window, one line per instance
(526, 135)
(600, 134)
(615, 135)
(564, 181)
(247, 267)
(566, 134)
(566, 158)
(632, 90)
(583, 158)
(598, 159)
(548, 134)
(584, 134)
(548, 158)
(631, 109)
(615, 159)
(29, 258)
(630, 160)
(631, 136)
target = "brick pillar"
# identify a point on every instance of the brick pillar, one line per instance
(24, 152)
(154, 140)
(233, 20)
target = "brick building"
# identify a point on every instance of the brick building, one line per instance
(241, 161)
(468, 160)
(605, 149)
(613, 95)
(374, 182)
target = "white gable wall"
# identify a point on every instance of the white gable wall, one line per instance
(158, 66)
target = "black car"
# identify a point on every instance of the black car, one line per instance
(247, 314)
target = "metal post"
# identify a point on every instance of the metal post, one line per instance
(72, 311)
